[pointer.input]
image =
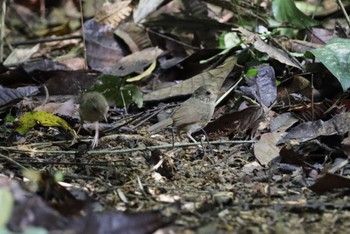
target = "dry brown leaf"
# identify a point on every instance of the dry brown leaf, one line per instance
(265, 149)
(263, 47)
(114, 13)
(213, 77)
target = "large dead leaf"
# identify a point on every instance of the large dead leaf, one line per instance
(10, 96)
(265, 149)
(214, 77)
(330, 182)
(18, 56)
(65, 109)
(235, 122)
(31, 210)
(103, 51)
(339, 124)
(273, 52)
(263, 87)
(136, 62)
(282, 122)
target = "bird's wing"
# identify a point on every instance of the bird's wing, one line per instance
(160, 125)
(185, 115)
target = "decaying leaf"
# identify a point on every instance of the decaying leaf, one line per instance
(134, 36)
(339, 124)
(214, 77)
(263, 87)
(31, 210)
(139, 62)
(10, 96)
(235, 122)
(103, 51)
(266, 48)
(114, 13)
(66, 108)
(31, 119)
(265, 149)
(282, 122)
(329, 182)
(144, 74)
(19, 56)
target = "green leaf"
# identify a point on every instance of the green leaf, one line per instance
(29, 230)
(335, 57)
(35, 230)
(253, 72)
(229, 40)
(115, 90)
(285, 11)
(58, 176)
(6, 204)
(4, 230)
(134, 93)
(9, 118)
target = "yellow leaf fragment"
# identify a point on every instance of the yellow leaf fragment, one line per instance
(148, 71)
(31, 119)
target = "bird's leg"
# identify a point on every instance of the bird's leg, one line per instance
(95, 141)
(210, 148)
(207, 138)
(190, 136)
(173, 137)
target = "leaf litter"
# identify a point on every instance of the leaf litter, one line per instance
(278, 157)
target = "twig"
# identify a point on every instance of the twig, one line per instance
(12, 161)
(344, 12)
(47, 95)
(228, 91)
(105, 163)
(46, 39)
(165, 146)
(172, 39)
(155, 113)
(2, 31)
(83, 33)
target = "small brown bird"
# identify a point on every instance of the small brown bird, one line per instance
(193, 114)
(93, 108)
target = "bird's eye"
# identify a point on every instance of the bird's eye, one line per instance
(208, 93)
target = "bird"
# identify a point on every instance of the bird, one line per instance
(93, 108)
(193, 114)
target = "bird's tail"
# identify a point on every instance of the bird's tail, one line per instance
(160, 125)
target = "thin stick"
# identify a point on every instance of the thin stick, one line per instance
(344, 12)
(122, 95)
(228, 92)
(46, 39)
(82, 32)
(155, 113)
(118, 151)
(13, 161)
(2, 31)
